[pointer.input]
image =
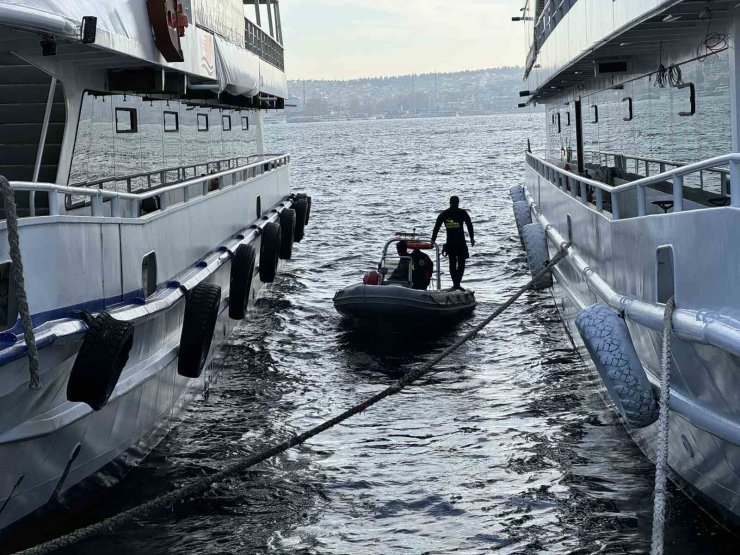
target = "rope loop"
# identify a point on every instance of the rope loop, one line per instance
(11, 218)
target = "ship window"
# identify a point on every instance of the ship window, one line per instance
(259, 206)
(245, 123)
(8, 309)
(202, 122)
(126, 120)
(665, 278)
(226, 123)
(149, 274)
(171, 122)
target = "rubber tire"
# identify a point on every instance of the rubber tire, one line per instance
(522, 216)
(517, 193)
(100, 360)
(199, 323)
(287, 232)
(535, 243)
(269, 250)
(609, 343)
(240, 280)
(301, 217)
(308, 209)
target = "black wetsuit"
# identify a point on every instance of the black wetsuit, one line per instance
(456, 247)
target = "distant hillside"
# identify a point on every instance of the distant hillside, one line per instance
(484, 91)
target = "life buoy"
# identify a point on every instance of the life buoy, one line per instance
(240, 280)
(100, 360)
(609, 343)
(287, 232)
(269, 250)
(201, 313)
(168, 21)
(301, 209)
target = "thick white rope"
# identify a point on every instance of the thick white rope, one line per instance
(661, 457)
(11, 217)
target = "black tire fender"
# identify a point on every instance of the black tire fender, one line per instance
(308, 209)
(301, 210)
(100, 360)
(240, 280)
(201, 313)
(269, 250)
(287, 233)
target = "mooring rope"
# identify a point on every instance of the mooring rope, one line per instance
(661, 457)
(11, 217)
(202, 485)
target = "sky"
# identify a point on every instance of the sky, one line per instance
(345, 39)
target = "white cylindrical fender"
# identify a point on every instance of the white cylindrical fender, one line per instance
(522, 215)
(535, 243)
(516, 192)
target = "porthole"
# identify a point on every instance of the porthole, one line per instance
(126, 120)
(226, 123)
(171, 122)
(202, 122)
(259, 206)
(245, 123)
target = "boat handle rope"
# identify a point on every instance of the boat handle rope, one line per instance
(202, 485)
(14, 242)
(661, 458)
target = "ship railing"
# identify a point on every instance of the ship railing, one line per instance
(647, 165)
(584, 188)
(155, 179)
(262, 44)
(552, 13)
(186, 190)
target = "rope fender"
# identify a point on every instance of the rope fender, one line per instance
(11, 218)
(202, 485)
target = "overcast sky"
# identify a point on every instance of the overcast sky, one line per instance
(342, 39)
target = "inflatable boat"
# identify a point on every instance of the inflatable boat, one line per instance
(402, 296)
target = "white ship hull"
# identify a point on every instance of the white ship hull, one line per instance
(613, 262)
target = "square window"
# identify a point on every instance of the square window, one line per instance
(245, 123)
(202, 122)
(171, 122)
(126, 120)
(226, 123)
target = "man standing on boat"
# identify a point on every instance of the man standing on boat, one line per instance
(456, 247)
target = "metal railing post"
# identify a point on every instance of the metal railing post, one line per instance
(647, 168)
(615, 206)
(735, 183)
(584, 192)
(641, 202)
(599, 199)
(97, 204)
(53, 203)
(115, 207)
(677, 193)
(723, 183)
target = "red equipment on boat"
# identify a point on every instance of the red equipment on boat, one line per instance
(168, 22)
